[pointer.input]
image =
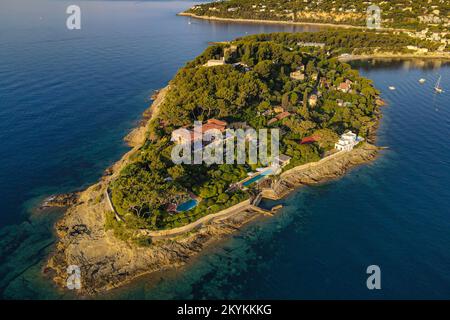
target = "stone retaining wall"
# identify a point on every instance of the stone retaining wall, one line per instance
(241, 206)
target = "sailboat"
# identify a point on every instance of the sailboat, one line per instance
(437, 87)
(422, 80)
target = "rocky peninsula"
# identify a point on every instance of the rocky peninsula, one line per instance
(108, 261)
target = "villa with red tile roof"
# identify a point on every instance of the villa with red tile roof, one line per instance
(210, 124)
(217, 122)
(345, 86)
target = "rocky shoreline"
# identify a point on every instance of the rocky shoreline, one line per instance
(322, 171)
(213, 18)
(107, 262)
(60, 200)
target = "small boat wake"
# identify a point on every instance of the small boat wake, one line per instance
(437, 87)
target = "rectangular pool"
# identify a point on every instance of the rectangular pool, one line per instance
(188, 205)
(257, 177)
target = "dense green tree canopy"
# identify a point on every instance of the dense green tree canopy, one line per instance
(249, 89)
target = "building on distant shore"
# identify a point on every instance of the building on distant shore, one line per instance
(278, 109)
(311, 44)
(312, 100)
(282, 160)
(215, 62)
(345, 86)
(417, 49)
(348, 141)
(297, 75)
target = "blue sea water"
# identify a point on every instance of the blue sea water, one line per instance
(67, 98)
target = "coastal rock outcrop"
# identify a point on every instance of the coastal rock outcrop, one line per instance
(61, 200)
(321, 171)
(107, 262)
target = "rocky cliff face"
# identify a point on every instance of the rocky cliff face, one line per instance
(107, 262)
(61, 200)
(336, 17)
(332, 169)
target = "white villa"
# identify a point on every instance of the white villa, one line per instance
(282, 160)
(214, 62)
(348, 141)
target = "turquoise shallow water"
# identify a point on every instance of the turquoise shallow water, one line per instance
(67, 98)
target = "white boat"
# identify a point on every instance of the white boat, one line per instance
(422, 80)
(391, 88)
(437, 87)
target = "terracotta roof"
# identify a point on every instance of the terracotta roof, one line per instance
(272, 120)
(217, 122)
(344, 86)
(283, 115)
(307, 140)
(209, 126)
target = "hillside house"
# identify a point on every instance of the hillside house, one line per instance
(312, 100)
(215, 62)
(347, 141)
(297, 75)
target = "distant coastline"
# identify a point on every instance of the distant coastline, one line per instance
(283, 22)
(256, 21)
(431, 55)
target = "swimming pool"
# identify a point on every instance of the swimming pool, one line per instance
(257, 178)
(188, 205)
